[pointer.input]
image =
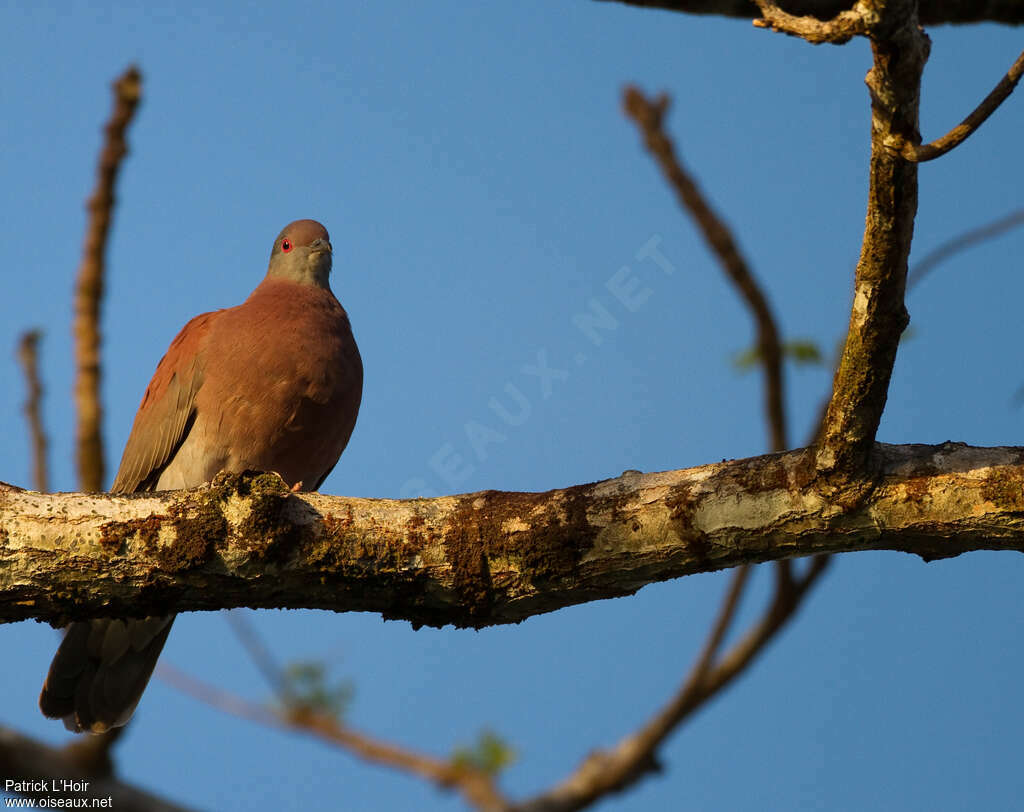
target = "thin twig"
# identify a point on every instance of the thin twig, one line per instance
(932, 12)
(28, 355)
(960, 243)
(635, 756)
(475, 785)
(837, 31)
(444, 773)
(720, 628)
(614, 770)
(960, 133)
(782, 609)
(89, 285)
(260, 655)
(649, 116)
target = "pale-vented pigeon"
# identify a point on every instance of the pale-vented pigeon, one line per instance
(273, 384)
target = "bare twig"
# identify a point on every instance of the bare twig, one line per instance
(840, 29)
(720, 628)
(260, 655)
(28, 355)
(783, 606)
(475, 785)
(649, 115)
(932, 12)
(962, 242)
(25, 759)
(633, 757)
(89, 285)
(939, 147)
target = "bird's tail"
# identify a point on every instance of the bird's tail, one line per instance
(100, 671)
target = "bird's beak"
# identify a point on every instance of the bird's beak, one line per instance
(320, 246)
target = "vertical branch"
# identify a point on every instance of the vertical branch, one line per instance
(28, 356)
(89, 286)
(878, 316)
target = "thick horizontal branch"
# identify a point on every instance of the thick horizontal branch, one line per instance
(484, 558)
(930, 12)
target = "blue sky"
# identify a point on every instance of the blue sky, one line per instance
(481, 187)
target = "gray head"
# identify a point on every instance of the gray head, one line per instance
(302, 253)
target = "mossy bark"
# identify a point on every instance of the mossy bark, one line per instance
(484, 558)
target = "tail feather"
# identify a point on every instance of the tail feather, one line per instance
(100, 671)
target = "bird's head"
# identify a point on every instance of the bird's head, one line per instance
(302, 253)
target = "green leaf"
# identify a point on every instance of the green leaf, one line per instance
(799, 351)
(306, 687)
(802, 351)
(747, 360)
(489, 754)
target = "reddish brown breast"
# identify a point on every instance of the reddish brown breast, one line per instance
(282, 383)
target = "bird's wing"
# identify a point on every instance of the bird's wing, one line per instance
(167, 410)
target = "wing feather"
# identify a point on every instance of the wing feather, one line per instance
(167, 410)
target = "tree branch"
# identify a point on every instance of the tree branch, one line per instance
(485, 558)
(25, 759)
(930, 12)
(477, 787)
(960, 243)
(649, 117)
(840, 29)
(89, 286)
(927, 152)
(28, 355)
(878, 315)
(604, 772)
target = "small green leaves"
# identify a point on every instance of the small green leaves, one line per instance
(306, 687)
(489, 754)
(799, 351)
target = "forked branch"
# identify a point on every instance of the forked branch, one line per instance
(939, 147)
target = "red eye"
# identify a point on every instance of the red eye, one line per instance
(286, 245)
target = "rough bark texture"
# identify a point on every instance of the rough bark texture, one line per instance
(484, 558)
(931, 12)
(89, 286)
(878, 315)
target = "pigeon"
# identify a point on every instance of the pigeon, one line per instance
(273, 384)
